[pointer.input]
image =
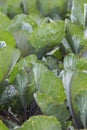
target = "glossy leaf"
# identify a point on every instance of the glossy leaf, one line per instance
(25, 86)
(66, 77)
(24, 82)
(23, 22)
(23, 64)
(66, 46)
(22, 42)
(8, 59)
(81, 103)
(74, 35)
(7, 38)
(77, 12)
(42, 78)
(51, 107)
(70, 62)
(78, 84)
(48, 34)
(41, 123)
(70, 66)
(73, 62)
(47, 82)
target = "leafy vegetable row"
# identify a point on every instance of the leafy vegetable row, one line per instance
(43, 65)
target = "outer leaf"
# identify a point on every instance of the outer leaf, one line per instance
(66, 77)
(23, 44)
(43, 100)
(8, 59)
(25, 86)
(7, 38)
(21, 85)
(41, 123)
(81, 103)
(23, 22)
(49, 34)
(78, 83)
(47, 82)
(23, 64)
(66, 46)
(2, 126)
(4, 21)
(57, 110)
(77, 11)
(24, 79)
(51, 107)
(71, 65)
(74, 35)
(70, 62)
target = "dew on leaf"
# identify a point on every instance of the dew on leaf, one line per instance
(2, 44)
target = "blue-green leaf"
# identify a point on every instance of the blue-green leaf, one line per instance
(77, 12)
(81, 103)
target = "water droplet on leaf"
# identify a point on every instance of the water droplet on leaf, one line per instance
(2, 44)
